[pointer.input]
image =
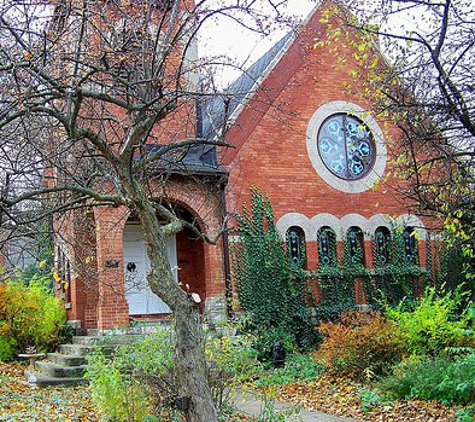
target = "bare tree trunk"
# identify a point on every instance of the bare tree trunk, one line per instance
(192, 375)
(191, 365)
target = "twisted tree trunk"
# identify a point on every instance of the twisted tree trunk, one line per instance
(191, 368)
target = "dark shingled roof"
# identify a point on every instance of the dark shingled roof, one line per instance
(193, 159)
(213, 112)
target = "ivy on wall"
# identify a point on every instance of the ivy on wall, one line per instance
(396, 275)
(274, 291)
(270, 287)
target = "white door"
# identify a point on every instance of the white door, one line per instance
(136, 264)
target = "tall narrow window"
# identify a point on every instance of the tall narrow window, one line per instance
(381, 246)
(356, 245)
(296, 245)
(410, 244)
(326, 239)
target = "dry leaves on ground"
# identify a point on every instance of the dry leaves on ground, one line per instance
(20, 402)
(343, 398)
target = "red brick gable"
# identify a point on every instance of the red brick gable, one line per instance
(274, 80)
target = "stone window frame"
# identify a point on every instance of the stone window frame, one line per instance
(343, 107)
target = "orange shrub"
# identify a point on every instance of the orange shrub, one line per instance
(361, 344)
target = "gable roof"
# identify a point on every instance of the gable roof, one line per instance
(215, 111)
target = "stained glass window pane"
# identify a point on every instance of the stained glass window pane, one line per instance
(410, 244)
(381, 241)
(295, 245)
(346, 147)
(326, 246)
(356, 244)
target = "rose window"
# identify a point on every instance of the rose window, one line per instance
(346, 147)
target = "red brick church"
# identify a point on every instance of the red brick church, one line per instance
(298, 135)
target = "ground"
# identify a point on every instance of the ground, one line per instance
(342, 397)
(20, 402)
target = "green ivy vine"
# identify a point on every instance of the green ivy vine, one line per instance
(271, 288)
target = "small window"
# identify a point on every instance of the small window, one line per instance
(356, 245)
(410, 244)
(381, 246)
(326, 239)
(64, 271)
(296, 245)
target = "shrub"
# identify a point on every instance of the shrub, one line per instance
(116, 395)
(6, 349)
(359, 344)
(298, 367)
(432, 325)
(234, 354)
(30, 315)
(121, 383)
(445, 379)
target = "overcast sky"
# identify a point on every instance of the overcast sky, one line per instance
(227, 38)
(243, 47)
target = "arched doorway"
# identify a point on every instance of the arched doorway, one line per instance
(187, 259)
(141, 300)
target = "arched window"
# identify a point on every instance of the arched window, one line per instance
(356, 245)
(381, 246)
(410, 244)
(326, 240)
(296, 245)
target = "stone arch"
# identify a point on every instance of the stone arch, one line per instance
(355, 220)
(294, 219)
(326, 220)
(410, 220)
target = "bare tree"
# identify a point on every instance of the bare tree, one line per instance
(97, 105)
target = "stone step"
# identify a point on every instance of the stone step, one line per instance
(41, 380)
(66, 360)
(85, 340)
(54, 370)
(75, 349)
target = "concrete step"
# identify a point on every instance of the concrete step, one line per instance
(66, 360)
(85, 340)
(41, 380)
(54, 370)
(75, 349)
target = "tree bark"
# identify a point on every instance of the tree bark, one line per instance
(190, 360)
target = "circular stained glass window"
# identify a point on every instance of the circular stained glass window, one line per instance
(346, 147)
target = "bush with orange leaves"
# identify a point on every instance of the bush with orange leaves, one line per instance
(360, 345)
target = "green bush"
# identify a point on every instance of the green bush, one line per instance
(234, 354)
(117, 396)
(120, 384)
(371, 398)
(30, 315)
(466, 415)
(449, 380)
(432, 325)
(298, 367)
(6, 349)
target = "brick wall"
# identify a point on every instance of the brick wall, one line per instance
(270, 136)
